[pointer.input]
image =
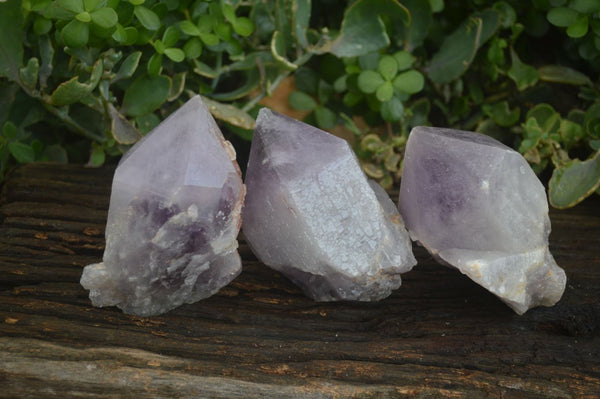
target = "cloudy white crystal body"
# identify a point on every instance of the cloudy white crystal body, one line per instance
(311, 213)
(475, 204)
(173, 220)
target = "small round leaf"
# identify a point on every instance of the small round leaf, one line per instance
(388, 67)
(301, 101)
(326, 118)
(21, 152)
(154, 64)
(189, 28)
(243, 26)
(369, 81)
(105, 17)
(83, 17)
(579, 28)
(393, 110)
(385, 92)
(175, 54)
(409, 82)
(75, 34)
(404, 59)
(562, 16)
(145, 94)
(147, 18)
(193, 48)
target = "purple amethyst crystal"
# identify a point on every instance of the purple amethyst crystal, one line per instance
(173, 220)
(475, 204)
(312, 214)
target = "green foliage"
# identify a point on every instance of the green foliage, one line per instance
(99, 74)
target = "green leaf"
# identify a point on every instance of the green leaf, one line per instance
(11, 39)
(209, 39)
(204, 70)
(72, 91)
(145, 94)
(459, 49)
(404, 59)
(175, 54)
(278, 50)
(502, 114)
(572, 183)
(230, 114)
(508, 15)
(223, 31)
(393, 110)
(571, 133)
(105, 17)
(10, 130)
(388, 67)
(421, 19)
(75, 34)
(243, 26)
(47, 56)
(542, 113)
(324, 91)
(146, 123)
(385, 91)
(128, 66)
(369, 81)
(122, 130)
(41, 25)
(29, 73)
(301, 101)
(83, 17)
(409, 82)
(326, 118)
(436, 5)
(579, 28)
(75, 6)
(97, 157)
(363, 30)
(562, 16)
(301, 17)
(193, 48)
(522, 74)
(91, 5)
(55, 153)
(154, 66)
(22, 152)
(585, 6)
(228, 12)
(189, 28)
(147, 17)
(563, 74)
(170, 36)
(159, 46)
(177, 86)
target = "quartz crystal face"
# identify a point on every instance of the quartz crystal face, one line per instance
(475, 204)
(312, 214)
(173, 220)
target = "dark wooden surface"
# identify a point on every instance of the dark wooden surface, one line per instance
(439, 335)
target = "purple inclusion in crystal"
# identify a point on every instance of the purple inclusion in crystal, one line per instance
(173, 220)
(312, 214)
(475, 204)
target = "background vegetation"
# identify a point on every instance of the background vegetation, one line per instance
(82, 80)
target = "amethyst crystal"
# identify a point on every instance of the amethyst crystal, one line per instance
(173, 219)
(475, 204)
(311, 214)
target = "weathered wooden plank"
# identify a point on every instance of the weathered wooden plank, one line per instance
(439, 335)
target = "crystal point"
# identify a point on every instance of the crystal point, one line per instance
(173, 220)
(311, 214)
(475, 204)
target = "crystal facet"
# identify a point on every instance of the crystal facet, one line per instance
(312, 214)
(173, 220)
(475, 204)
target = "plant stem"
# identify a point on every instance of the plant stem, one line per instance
(299, 62)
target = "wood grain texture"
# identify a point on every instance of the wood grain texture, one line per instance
(439, 335)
